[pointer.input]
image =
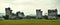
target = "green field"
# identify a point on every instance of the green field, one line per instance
(30, 22)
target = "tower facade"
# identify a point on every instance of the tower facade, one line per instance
(38, 14)
(8, 12)
(52, 14)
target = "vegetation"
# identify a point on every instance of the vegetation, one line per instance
(30, 22)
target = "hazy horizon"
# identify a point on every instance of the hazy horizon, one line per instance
(29, 6)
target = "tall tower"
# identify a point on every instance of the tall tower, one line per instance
(52, 14)
(38, 14)
(8, 12)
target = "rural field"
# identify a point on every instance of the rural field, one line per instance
(29, 22)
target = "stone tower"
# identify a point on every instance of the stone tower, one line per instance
(38, 14)
(8, 12)
(52, 14)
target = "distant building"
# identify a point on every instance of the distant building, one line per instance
(8, 12)
(20, 14)
(38, 14)
(52, 14)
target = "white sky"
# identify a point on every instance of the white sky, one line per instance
(29, 6)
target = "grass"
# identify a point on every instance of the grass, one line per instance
(30, 22)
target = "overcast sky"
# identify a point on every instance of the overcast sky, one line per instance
(29, 6)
